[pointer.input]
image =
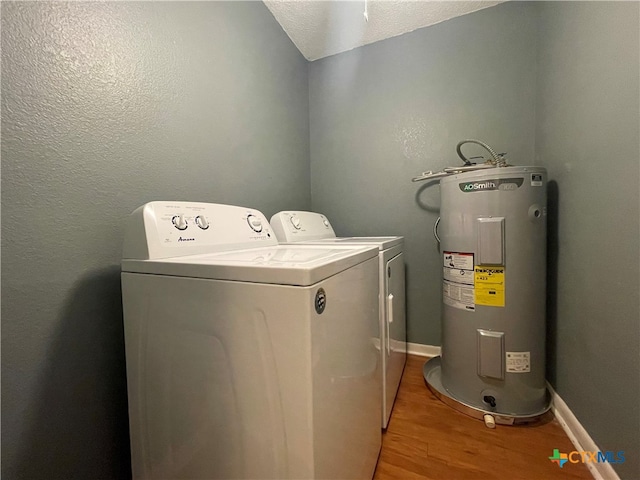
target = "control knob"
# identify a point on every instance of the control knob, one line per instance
(202, 222)
(179, 222)
(255, 223)
(295, 221)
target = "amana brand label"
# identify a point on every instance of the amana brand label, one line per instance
(489, 283)
(492, 184)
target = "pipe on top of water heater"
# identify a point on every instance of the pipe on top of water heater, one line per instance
(496, 160)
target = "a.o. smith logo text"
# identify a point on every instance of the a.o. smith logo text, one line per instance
(489, 185)
(492, 184)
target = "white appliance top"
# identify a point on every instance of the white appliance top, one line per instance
(300, 265)
(226, 242)
(315, 228)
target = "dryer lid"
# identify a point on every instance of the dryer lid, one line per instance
(300, 265)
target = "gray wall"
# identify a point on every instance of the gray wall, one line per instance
(105, 107)
(588, 136)
(555, 84)
(383, 113)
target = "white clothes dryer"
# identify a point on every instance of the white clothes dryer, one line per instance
(245, 358)
(299, 227)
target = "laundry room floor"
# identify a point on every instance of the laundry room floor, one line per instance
(427, 439)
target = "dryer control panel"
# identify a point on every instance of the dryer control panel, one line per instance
(299, 226)
(172, 229)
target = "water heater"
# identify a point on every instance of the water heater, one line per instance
(492, 234)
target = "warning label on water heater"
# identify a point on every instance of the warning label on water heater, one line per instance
(518, 362)
(458, 260)
(458, 280)
(489, 283)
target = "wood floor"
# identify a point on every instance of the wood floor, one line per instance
(427, 439)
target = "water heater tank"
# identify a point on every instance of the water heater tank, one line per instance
(493, 248)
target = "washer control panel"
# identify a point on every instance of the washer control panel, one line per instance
(168, 229)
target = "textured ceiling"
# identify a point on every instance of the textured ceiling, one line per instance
(320, 28)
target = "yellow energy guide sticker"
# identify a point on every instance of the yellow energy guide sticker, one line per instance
(489, 283)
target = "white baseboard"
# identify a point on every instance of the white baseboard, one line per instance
(580, 437)
(423, 350)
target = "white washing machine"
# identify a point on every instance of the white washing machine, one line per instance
(311, 228)
(245, 358)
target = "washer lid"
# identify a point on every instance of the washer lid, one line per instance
(381, 242)
(300, 265)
